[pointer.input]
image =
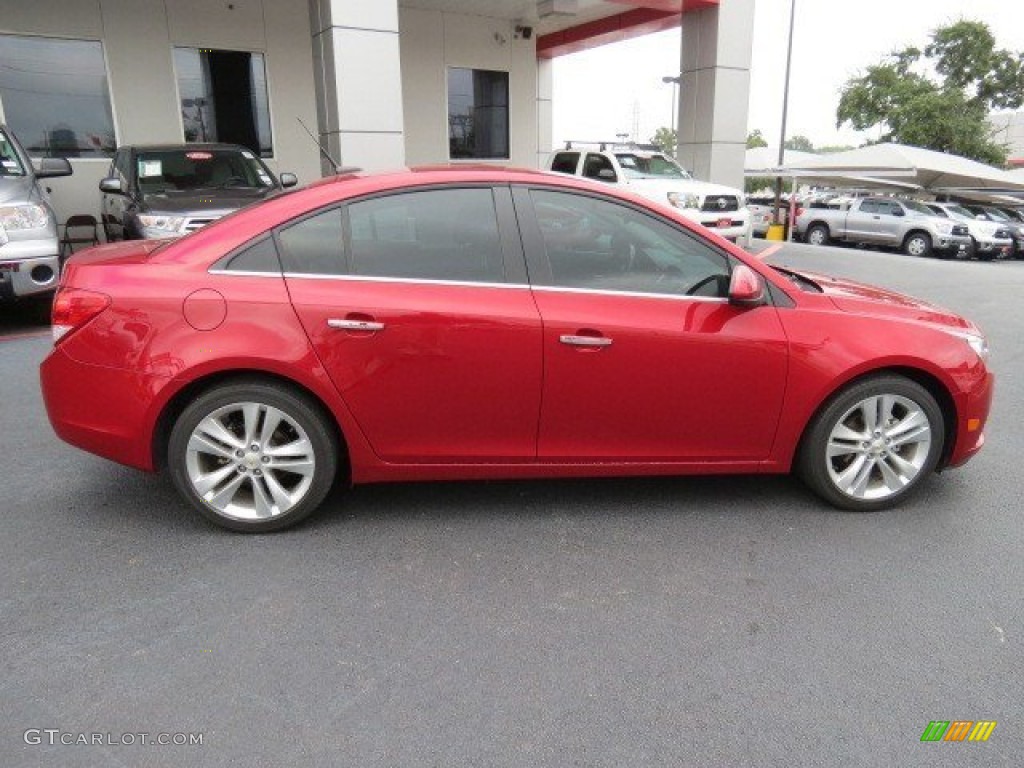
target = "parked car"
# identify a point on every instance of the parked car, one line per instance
(993, 214)
(989, 239)
(29, 246)
(904, 224)
(761, 217)
(170, 190)
(658, 177)
(490, 323)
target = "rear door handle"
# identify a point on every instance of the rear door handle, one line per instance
(585, 341)
(354, 325)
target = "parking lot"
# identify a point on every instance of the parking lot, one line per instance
(690, 622)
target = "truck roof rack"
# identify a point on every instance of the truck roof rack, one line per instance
(605, 145)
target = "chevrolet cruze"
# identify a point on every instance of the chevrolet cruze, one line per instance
(490, 323)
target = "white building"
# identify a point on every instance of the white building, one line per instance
(384, 83)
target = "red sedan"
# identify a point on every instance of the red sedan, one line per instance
(491, 323)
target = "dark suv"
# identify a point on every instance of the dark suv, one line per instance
(173, 189)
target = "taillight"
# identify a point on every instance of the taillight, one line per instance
(799, 211)
(73, 308)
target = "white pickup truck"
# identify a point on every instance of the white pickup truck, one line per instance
(659, 178)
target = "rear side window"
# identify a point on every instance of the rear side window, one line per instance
(258, 257)
(313, 246)
(565, 162)
(439, 234)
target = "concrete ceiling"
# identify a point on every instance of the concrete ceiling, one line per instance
(526, 10)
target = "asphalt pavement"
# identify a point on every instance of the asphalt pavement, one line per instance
(665, 622)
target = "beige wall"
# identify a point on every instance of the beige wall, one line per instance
(432, 41)
(138, 36)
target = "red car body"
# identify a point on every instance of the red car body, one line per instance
(471, 380)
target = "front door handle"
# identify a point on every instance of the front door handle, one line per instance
(585, 341)
(355, 325)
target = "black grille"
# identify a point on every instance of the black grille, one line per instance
(1002, 234)
(959, 229)
(720, 203)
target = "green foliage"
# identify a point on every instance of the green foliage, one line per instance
(755, 139)
(799, 143)
(665, 140)
(900, 97)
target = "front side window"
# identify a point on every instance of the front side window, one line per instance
(162, 172)
(649, 166)
(599, 167)
(599, 245)
(224, 98)
(10, 162)
(443, 234)
(55, 96)
(478, 114)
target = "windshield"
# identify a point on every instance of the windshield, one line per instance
(178, 170)
(649, 167)
(960, 212)
(10, 163)
(917, 207)
(996, 215)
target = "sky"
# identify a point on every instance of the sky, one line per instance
(833, 40)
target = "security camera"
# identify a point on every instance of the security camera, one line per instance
(524, 32)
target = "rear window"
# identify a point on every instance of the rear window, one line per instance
(176, 170)
(565, 162)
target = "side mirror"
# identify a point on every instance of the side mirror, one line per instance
(746, 287)
(111, 186)
(607, 174)
(51, 167)
(288, 180)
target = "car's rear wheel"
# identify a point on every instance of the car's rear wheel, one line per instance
(252, 456)
(873, 444)
(817, 234)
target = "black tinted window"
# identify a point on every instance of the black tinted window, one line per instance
(258, 257)
(444, 234)
(600, 245)
(565, 162)
(314, 245)
(594, 166)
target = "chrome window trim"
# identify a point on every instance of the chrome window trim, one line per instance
(632, 294)
(471, 284)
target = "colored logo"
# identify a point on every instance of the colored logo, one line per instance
(958, 730)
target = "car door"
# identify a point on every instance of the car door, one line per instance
(862, 222)
(891, 216)
(416, 304)
(644, 357)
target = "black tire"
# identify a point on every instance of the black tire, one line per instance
(301, 414)
(817, 234)
(918, 244)
(815, 467)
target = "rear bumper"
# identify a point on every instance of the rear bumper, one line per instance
(116, 426)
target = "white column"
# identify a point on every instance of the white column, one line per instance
(545, 136)
(714, 91)
(358, 82)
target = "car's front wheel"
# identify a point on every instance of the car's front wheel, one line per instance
(252, 456)
(873, 444)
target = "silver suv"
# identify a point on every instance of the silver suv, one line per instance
(29, 248)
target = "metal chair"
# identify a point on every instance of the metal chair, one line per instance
(86, 232)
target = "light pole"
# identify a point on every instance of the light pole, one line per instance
(675, 81)
(785, 109)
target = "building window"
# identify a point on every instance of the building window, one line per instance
(224, 97)
(477, 113)
(55, 96)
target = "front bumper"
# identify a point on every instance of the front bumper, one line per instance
(953, 243)
(28, 268)
(973, 408)
(986, 247)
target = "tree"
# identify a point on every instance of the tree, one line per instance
(800, 143)
(665, 140)
(755, 139)
(939, 97)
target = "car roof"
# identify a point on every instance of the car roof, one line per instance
(190, 147)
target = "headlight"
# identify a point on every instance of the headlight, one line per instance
(161, 223)
(683, 200)
(23, 217)
(975, 342)
(944, 228)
